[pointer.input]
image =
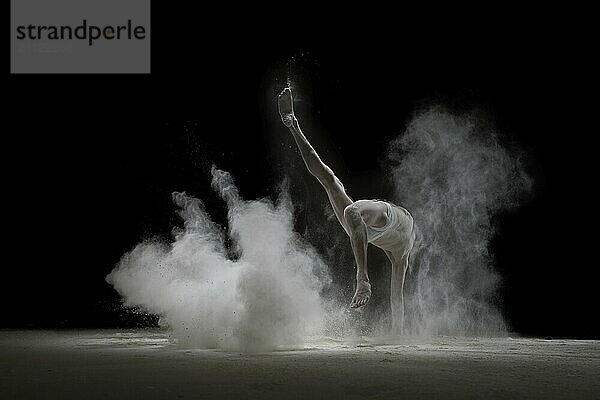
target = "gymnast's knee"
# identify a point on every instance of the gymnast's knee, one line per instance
(352, 214)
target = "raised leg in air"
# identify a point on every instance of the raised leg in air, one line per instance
(340, 201)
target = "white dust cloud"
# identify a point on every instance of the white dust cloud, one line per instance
(454, 174)
(260, 294)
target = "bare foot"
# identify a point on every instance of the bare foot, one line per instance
(362, 295)
(286, 107)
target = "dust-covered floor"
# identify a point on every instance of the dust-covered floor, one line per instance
(147, 364)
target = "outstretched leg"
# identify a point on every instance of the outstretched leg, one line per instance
(335, 190)
(348, 215)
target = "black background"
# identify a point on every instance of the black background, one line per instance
(91, 160)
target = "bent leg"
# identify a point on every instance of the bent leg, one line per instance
(333, 187)
(357, 230)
